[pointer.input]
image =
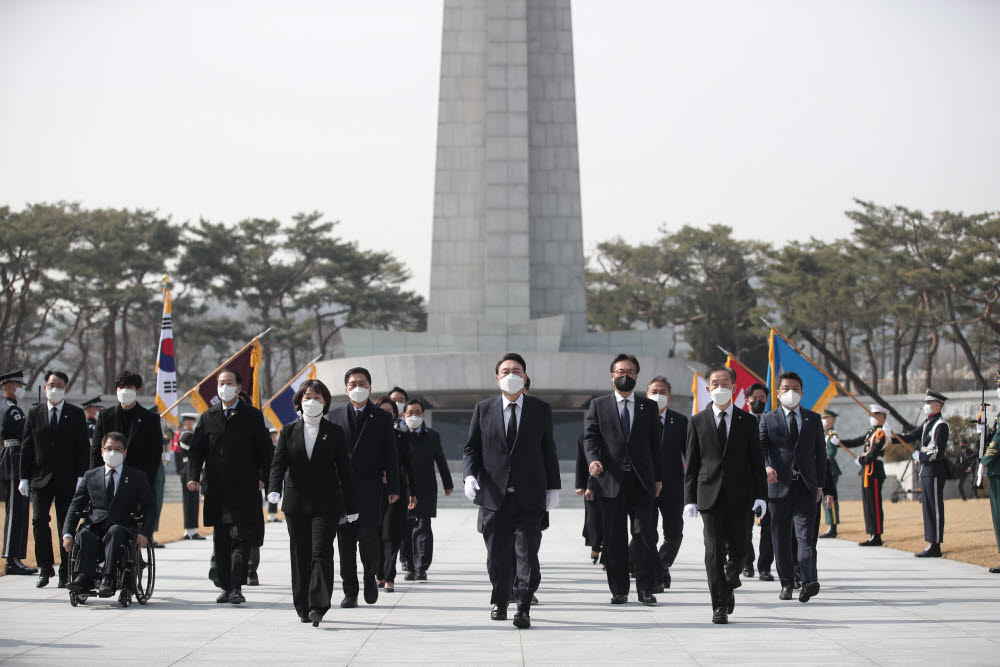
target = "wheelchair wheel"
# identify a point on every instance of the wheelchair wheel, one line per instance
(74, 597)
(144, 572)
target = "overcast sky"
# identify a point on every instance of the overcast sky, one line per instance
(766, 116)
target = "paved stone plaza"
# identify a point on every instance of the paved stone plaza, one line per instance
(877, 606)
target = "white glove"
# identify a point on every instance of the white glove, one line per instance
(759, 504)
(980, 428)
(165, 457)
(274, 497)
(551, 498)
(916, 456)
(22, 487)
(857, 461)
(351, 518)
(887, 430)
(471, 486)
(980, 474)
(691, 511)
(79, 481)
(835, 440)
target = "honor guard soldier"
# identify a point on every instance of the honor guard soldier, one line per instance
(872, 463)
(989, 472)
(91, 408)
(189, 498)
(932, 437)
(830, 432)
(15, 523)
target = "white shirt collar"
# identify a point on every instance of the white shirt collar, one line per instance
(798, 413)
(620, 398)
(57, 407)
(519, 402)
(728, 411)
(118, 471)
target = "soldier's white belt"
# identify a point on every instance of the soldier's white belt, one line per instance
(11, 443)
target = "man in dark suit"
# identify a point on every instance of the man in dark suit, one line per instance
(372, 443)
(141, 428)
(511, 470)
(425, 454)
(725, 481)
(622, 442)
(794, 448)
(757, 400)
(113, 491)
(670, 502)
(54, 455)
(231, 441)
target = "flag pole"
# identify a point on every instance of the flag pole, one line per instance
(745, 367)
(287, 384)
(221, 366)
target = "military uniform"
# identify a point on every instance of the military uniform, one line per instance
(991, 474)
(872, 462)
(15, 526)
(95, 402)
(832, 449)
(932, 438)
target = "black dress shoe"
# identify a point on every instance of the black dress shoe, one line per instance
(786, 593)
(156, 545)
(658, 588)
(253, 579)
(647, 599)
(195, 537)
(410, 576)
(304, 619)
(522, 619)
(831, 532)
(994, 570)
(499, 613)
(534, 600)
(933, 551)
(809, 589)
(315, 617)
(16, 567)
(731, 602)
(236, 597)
(223, 597)
(80, 583)
(748, 570)
(213, 575)
(63, 580)
(666, 578)
(44, 575)
(105, 591)
(874, 541)
(719, 616)
(765, 576)
(421, 575)
(619, 599)
(796, 583)
(349, 602)
(371, 592)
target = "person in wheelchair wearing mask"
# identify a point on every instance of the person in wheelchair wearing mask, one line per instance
(113, 492)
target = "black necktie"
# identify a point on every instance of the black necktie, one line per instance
(512, 427)
(230, 412)
(111, 485)
(54, 420)
(626, 425)
(722, 429)
(793, 430)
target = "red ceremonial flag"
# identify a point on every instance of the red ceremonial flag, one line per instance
(745, 378)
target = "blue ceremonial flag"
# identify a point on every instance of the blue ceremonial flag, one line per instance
(817, 388)
(279, 410)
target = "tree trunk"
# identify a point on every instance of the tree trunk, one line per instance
(931, 353)
(871, 359)
(956, 331)
(910, 353)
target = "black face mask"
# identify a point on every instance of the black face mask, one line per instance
(624, 383)
(757, 407)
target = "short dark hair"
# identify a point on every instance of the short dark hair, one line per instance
(527, 383)
(756, 386)
(791, 375)
(318, 386)
(660, 378)
(127, 378)
(385, 400)
(625, 357)
(415, 401)
(400, 390)
(236, 374)
(59, 374)
(114, 435)
(715, 368)
(355, 371)
(512, 356)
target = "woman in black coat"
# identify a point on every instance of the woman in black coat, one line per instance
(396, 526)
(312, 463)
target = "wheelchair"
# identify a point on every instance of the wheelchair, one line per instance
(135, 572)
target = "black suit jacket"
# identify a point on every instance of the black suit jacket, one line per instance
(58, 456)
(425, 454)
(132, 494)
(143, 440)
(808, 452)
(604, 441)
(532, 465)
(236, 453)
(373, 452)
(673, 441)
(736, 464)
(323, 484)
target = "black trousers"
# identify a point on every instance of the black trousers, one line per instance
(797, 511)
(423, 543)
(353, 540)
(593, 525)
(512, 528)
(672, 517)
(871, 501)
(406, 547)
(725, 524)
(41, 505)
(310, 543)
(15, 521)
(106, 537)
(232, 554)
(932, 498)
(765, 548)
(632, 511)
(189, 504)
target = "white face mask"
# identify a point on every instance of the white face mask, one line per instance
(227, 392)
(722, 395)
(511, 384)
(790, 399)
(19, 393)
(400, 407)
(927, 409)
(414, 422)
(873, 421)
(113, 457)
(661, 400)
(312, 408)
(358, 394)
(54, 395)
(126, 396)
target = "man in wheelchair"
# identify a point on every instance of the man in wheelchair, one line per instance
(113, 492)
